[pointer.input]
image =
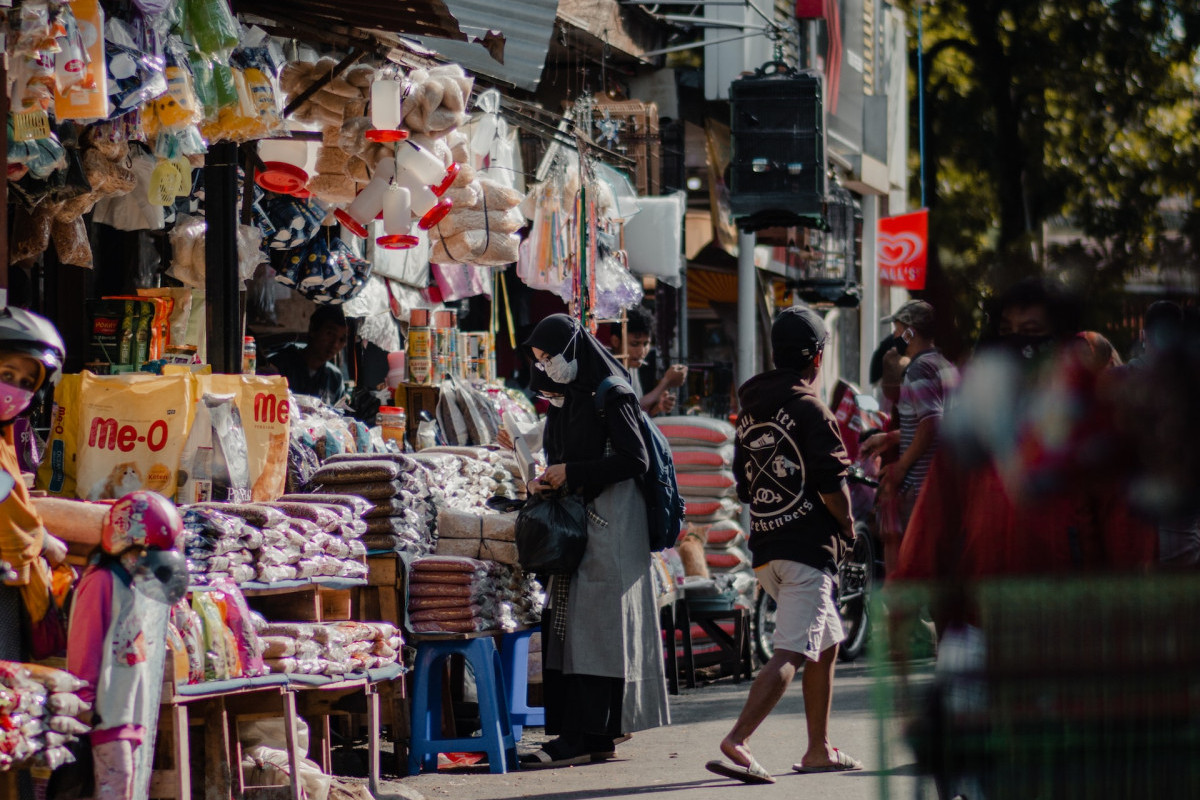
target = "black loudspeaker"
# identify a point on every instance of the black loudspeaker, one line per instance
(777, 174)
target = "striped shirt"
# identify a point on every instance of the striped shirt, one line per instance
(928, 382)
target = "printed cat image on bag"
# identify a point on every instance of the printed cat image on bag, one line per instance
(124, 478)
(130, 432)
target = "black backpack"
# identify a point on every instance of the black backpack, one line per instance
(664, 505)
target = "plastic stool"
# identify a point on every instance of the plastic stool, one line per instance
(514, 656)
(496, 737)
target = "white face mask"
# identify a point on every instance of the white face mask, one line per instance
(559, 370)
(557, 402)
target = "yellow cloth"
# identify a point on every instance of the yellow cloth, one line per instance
(21, 536)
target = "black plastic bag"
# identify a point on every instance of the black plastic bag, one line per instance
(551, 534)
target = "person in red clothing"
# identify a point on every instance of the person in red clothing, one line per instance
(1026, 485)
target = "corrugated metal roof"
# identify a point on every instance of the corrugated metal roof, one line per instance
(423, 17)
(527, 26)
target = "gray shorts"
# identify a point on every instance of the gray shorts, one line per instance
(806, 618)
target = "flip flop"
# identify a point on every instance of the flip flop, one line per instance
(844, 763)
(754, 773)
(540, 759)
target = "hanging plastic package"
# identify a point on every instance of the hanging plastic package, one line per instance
(133, 211)
(135, 76)
(205, 85)
(292, 222)
(211, 25)
(250, 254)
(314, 264)
(616, 289)
(152, 8)
(71, 242)
(89, 98)
(259, 72)
(179, 108)
(71, 62)
(34, 31)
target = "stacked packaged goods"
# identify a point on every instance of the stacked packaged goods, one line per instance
(449, 594)
(397, 490)
(332, 649)
(703, 452)
(39, 713)
(269, 542)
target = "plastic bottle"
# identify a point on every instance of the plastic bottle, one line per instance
(249, 356)
(392, 422)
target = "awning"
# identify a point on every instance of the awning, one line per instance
(527, 27)
(708, 286)
(313, 19)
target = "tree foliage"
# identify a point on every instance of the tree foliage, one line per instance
(1081, 113)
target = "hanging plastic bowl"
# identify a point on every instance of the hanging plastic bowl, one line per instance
(399, 241)
(284, 160)
(451, 174)
(435, 215)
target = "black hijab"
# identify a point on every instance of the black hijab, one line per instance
(560, 334)
(575, 432)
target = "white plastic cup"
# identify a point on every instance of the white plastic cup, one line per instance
(386, 111)
(369, 202)
(414, 158)
(421, 197)
(397, 220)
(397, 209)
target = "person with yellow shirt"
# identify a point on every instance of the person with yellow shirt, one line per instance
(30, 352)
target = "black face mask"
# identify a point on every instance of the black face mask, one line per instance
(900, 346)
(1027, 346)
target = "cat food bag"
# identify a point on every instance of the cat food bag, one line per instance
(262, 402)
(131, 430)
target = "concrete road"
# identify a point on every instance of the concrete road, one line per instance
(670, 761)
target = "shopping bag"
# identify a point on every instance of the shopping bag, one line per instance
(551, 534)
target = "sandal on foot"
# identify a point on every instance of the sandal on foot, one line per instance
(844, 763)
(751, 773)
(540, 759)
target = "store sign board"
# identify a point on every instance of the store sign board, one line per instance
(903, 242)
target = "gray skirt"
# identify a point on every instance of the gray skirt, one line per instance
(604, 620)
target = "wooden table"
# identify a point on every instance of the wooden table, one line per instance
(222, 705)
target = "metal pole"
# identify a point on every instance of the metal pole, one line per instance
(221, 258)
(869, 311)
(921, 97)
(747, 314)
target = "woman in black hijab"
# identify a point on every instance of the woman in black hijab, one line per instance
(603, 662)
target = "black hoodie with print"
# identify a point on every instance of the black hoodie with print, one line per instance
(788, 452)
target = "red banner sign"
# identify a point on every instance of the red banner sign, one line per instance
(902, 244)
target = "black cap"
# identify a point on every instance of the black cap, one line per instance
(797, 335)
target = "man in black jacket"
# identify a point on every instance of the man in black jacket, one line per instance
(791, 467)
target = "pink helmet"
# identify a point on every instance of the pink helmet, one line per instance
(143, 519)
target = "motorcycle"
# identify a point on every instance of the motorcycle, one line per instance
(859, 417)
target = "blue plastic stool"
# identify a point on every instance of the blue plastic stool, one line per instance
(496, 738)
(514, 655)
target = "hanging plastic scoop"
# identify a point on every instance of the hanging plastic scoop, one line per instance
(30, 125)
(164, 184)
(184, 168)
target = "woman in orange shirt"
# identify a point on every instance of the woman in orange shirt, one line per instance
(30, 352)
